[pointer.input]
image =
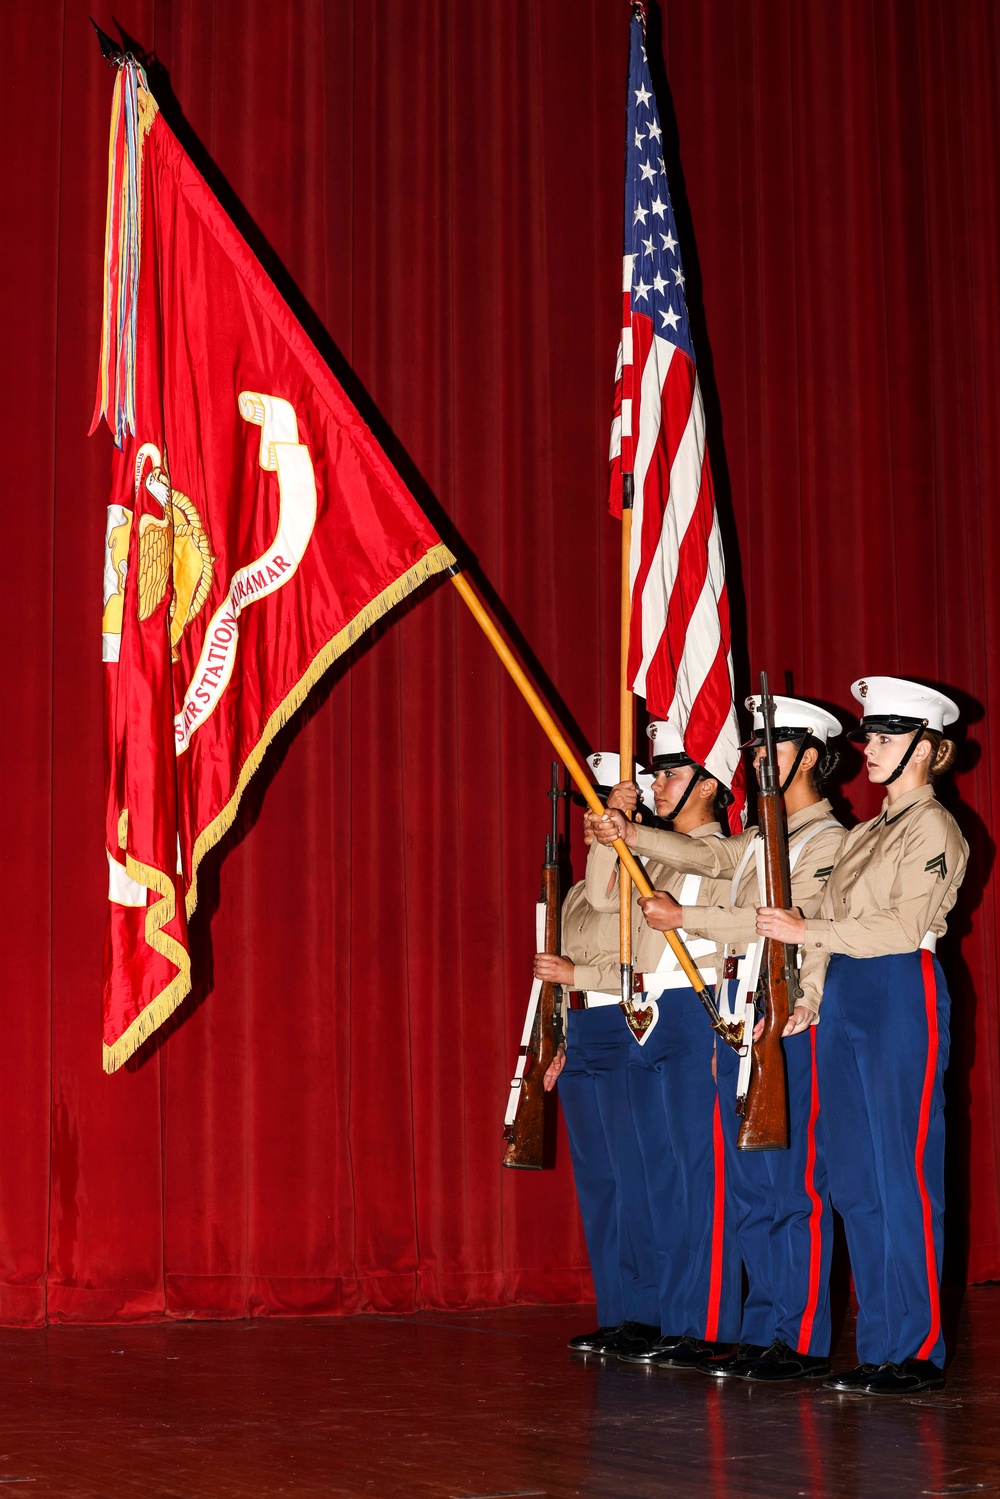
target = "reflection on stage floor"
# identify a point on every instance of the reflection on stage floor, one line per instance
(465, 1405)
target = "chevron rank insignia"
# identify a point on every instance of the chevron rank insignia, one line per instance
(823, 874)
(937, 866)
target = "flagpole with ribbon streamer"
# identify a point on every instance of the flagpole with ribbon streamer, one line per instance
(254, 532)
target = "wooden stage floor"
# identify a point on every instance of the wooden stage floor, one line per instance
(468, 1405)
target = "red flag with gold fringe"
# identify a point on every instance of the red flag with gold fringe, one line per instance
(255, 530)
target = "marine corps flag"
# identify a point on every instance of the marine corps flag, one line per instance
(255, 530)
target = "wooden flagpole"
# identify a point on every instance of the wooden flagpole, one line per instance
(626, 735)
(573, 764)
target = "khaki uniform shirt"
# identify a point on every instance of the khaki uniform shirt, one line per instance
(647, 944)
(590, 942)
(896, 879)
(734, 925)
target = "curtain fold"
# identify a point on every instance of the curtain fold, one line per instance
(437, 190)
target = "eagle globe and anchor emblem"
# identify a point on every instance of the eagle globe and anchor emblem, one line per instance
(173, 546)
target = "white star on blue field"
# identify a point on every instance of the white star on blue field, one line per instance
(650, 227)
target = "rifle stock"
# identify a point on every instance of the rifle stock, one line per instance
(765, 1112)
(530, 1136)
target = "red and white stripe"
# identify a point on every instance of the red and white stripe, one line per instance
(680, 658)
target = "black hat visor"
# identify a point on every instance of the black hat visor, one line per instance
(885, 723)
(781, 736)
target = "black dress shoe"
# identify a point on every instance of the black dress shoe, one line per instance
(781, 1362)
(689, 1353)
(655, 1354)
(850, 1381)
(907, 1378)
(630, 1337)
(588, 1342)
(733, 1364)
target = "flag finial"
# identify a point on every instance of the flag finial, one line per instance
(112, 53)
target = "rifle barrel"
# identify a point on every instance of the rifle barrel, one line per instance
(765, 1111)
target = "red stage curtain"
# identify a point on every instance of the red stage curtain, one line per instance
(438, 188)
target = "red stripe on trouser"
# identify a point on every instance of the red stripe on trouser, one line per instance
(815, 1213)
(718, 1228)
(930, 1005)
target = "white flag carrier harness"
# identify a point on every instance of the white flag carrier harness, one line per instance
(668, 973)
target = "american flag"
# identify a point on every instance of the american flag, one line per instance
(679, 659)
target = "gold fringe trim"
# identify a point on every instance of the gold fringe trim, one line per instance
(157, 917)
(434, 561)
(148, 110)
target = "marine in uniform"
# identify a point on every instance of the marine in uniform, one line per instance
(604, 1146)
(783, 1221)
(882, 1044)
(671, 1082)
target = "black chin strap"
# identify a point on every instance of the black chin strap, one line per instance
(699, 775)
(906, 758)
(790, 777)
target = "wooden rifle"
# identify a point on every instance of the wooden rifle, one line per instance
(765, 1111)
(529, 1127)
